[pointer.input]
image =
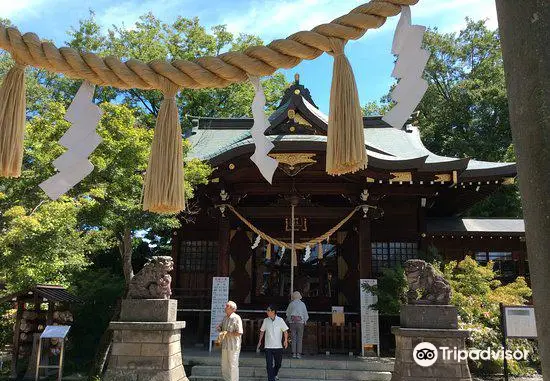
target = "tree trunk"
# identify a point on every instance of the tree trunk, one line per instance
(104, 346)
(525, 38)
(125, 248)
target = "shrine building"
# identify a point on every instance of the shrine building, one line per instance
(408, 202)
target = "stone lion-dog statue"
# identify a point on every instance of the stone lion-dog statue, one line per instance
(424, 280)
(153, 281)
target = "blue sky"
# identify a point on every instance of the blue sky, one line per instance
(270, 19)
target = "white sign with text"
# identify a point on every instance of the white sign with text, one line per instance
(220, 296)
(520, 322)
(370, 331)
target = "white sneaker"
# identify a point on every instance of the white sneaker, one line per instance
(294, 356)
(298, 356)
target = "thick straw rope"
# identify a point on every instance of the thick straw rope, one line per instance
(220, 71)
(297, 246)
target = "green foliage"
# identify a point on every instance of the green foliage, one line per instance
(42, 246)
(464, 112)
(375, 109)
(477, 294)
(100, 289)
(77, 240)
(7, 321)
(390, 290)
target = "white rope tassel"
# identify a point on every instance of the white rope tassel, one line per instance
(81, 139)
(266, 164)
(409, 67)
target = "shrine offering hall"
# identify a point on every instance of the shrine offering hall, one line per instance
(407, 203)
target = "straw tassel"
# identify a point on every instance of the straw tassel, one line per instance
(320, 250)
(346, 152)
(268, 252)
(163, 190)
(12, 121)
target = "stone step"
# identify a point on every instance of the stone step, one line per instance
(372, 364)
(210, 372)
(210, 378)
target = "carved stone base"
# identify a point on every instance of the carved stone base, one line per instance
(428, 316)
(146, 350)
(406, 369)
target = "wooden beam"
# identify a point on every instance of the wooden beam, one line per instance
(286, 188)
(223, 246)
(304, 211)
(365, 249)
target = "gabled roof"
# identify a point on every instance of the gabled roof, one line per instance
(218, 140)
(51, 293)
(473, 225)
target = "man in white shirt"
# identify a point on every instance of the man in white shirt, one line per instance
(230, 336)
(273, 328)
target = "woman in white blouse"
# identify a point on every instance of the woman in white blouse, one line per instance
(297, 316)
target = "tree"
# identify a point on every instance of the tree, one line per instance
(477, 294)
(102, 214)
(464, 112)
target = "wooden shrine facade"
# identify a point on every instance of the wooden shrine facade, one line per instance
(411, 202)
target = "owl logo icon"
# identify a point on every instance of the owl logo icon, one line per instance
(425, 354)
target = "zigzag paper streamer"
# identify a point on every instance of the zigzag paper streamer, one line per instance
(256, 242)
(411, 61)
(266, 164)
(307, 254)
(81, 139)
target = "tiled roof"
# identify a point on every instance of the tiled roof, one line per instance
(472, 225)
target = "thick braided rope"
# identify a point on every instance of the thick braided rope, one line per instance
(297, 246)
(219, 71)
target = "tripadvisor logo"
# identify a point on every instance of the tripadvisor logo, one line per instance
(426, 354)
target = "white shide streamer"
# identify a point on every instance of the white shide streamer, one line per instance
(266, 164)
(307, 254)
(256, 242)
(81, 139)
(410, 64)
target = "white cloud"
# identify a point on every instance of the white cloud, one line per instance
(278, 19)
(13, 9)
(128, 12)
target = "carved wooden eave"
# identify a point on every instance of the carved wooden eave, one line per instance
(294, 163)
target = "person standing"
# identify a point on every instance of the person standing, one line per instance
(273, 328)
(230, 336)
(297, 316)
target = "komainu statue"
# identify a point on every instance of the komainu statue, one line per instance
(423, 279)
(153, 281)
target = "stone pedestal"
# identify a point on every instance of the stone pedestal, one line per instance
(436, 325)
(146, 342)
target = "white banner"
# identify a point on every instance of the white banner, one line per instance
(370, 331)
(220, 296)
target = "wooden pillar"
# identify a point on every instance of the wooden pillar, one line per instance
(422, 227)
(176, 247)
(525, 37)
(365, 249)
(223, 246)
